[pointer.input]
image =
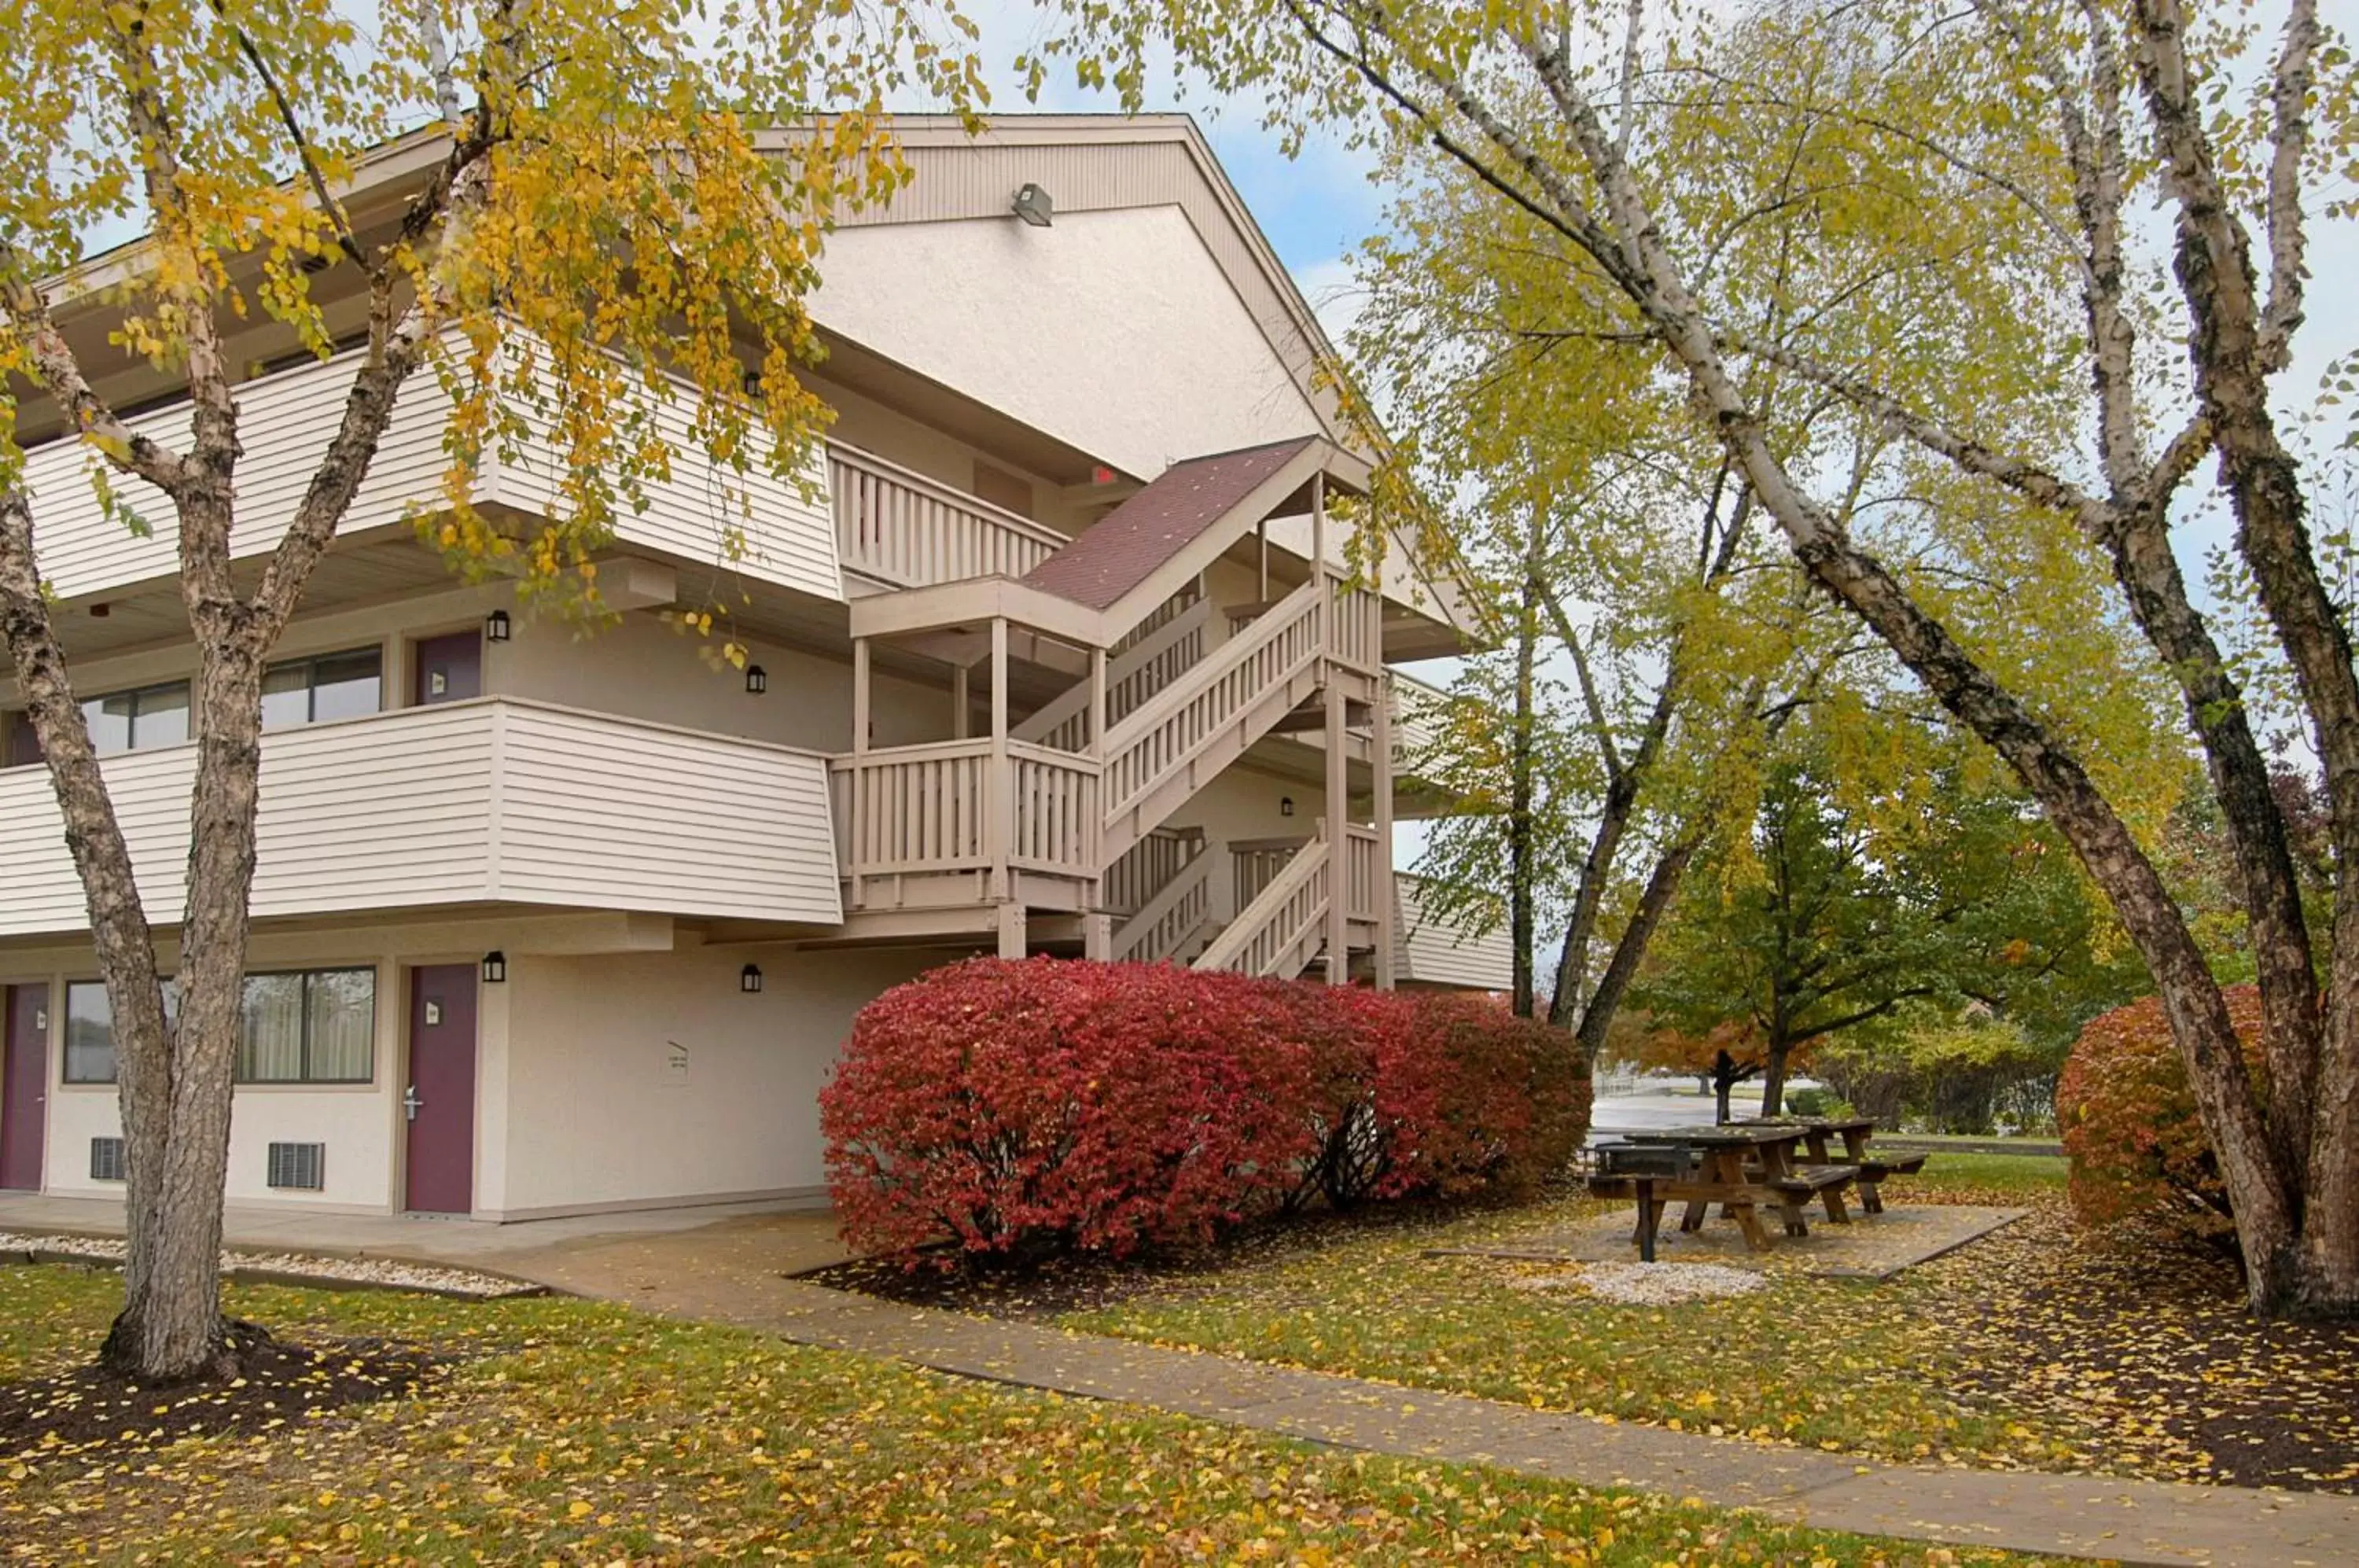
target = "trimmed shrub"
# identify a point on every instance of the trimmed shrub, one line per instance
(1470, 1098)
(2138, 1147)
(1021, 1108)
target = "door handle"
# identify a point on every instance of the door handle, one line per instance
(410, 1102)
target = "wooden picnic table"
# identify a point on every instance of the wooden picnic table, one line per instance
(1738, 1167)
(1855, 1132)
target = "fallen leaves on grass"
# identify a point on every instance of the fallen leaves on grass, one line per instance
(579, 1433)
(2040, 1346)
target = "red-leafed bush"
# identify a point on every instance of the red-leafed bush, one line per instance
(1347, 1033)
(1025, 1107)
(2138, 1147)
(1022, 1108)
(1472, 1098)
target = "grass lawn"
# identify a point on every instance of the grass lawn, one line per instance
(2040, 1347)
(573, 1433)
(1839, 1364)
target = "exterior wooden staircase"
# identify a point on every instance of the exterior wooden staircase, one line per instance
(1058, 822)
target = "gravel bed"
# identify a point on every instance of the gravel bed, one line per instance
(1650, 1284)
(368, 1273)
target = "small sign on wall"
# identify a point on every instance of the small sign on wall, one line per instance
(675, 1064)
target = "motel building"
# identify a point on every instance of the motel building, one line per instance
(1054, 653)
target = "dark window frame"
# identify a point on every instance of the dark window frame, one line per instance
(303, 1050)
(310, 663)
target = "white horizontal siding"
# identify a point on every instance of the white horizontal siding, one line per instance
(788, 538)
(1433, 953)
(380, 814)
(469, 802)
(285, 420)
(616, 816)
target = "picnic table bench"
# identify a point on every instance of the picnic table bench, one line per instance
(1818, 1149)
(1740, 1167)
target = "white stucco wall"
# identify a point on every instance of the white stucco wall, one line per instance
(357, 1122)
(596, 1113)
(1112, 330)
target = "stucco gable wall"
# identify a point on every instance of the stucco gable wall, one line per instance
(1115, 332)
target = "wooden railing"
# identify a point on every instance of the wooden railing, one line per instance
(901, 527)
(1165, 923)
(1148, 866)
(959, 806)
(1279, 929)
(1147, 666)
(1359, 628)
(1056, 820)
(914, 808)
(1364, 872)
(1255, 862)
(1159, 739)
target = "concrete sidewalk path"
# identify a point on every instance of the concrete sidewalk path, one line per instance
(731, 1267)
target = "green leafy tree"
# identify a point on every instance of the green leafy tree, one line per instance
(1917, 901)
(602, 210)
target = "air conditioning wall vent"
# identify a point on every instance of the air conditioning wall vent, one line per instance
(300, 1166)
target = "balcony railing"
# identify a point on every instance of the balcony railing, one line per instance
(962, 805)
(898, 527)
(493, 800)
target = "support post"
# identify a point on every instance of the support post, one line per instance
(855, 810)
(1337, 826)
(1319, 524)
(1388, 889)
(1261, 538)
(859, 696)
(961, 704)
(1097, 702)
(1220, 882)
(1011, 931)
(999, 788)
(1097, 935)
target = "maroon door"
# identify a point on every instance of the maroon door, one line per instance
(24, 1087)
(440, 1099)
(449, 668)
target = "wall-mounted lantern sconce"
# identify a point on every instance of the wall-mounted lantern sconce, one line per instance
(1286, 805)
(495, 967)
(749, 979)
(1032, 204)
(757, 680)
(495, 627)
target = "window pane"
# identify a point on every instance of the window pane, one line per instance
(286, 696)
(272, 1050)
(163, 717)
(109, 719)
(344, 687)
(343, 1010)
(89, 1034)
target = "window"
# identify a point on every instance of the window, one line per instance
(314, 690)
(135, 721)
(89, 1034)
(316, 1026)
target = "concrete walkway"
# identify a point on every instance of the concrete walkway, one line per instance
(730, 1266)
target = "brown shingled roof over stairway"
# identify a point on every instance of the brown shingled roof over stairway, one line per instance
(1123, 548)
